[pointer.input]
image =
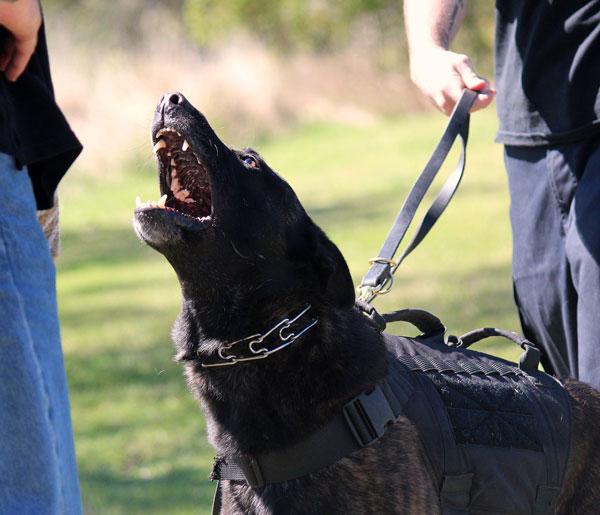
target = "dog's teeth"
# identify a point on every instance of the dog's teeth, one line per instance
(138, 201)
(161, 143)
(173, 163)
(185, 145)
(162, 201)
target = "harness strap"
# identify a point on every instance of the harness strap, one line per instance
(528, 361)
(380, 273)
(361, 422)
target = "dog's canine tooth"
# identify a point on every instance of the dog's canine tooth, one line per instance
(185, 145)
(162, 201)
(161, 143)
(173, 164)
(138, 201)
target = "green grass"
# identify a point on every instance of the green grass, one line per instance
(140, 437)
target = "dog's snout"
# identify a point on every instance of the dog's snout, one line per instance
(171, 99)
(175, 98)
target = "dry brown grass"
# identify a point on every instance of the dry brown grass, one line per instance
(109, 94)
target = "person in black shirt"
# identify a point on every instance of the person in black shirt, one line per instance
(38, 473)
(548, 103)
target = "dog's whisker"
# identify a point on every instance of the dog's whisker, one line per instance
(235, 249)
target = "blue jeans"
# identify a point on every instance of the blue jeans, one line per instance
(38, 474)
(555, 215)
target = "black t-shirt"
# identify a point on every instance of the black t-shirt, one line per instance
(547, 70)
(32, 127)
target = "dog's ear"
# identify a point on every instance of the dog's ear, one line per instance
(332, 273)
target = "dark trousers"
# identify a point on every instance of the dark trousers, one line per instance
(555, 217)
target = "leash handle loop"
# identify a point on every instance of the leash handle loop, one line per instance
(377, 279)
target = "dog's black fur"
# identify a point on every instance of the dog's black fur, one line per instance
(256, 260)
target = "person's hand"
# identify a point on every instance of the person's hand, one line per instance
(22, 18)
(442, 75)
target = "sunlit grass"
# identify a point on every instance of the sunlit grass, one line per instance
(139, 435)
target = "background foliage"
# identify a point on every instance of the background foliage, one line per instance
(284, 25)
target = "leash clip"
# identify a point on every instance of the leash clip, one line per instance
(368, 293)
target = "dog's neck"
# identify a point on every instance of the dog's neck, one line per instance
(262, 405)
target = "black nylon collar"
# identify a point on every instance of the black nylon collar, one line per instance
(361, 422)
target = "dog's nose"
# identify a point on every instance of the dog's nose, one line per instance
(172, 99)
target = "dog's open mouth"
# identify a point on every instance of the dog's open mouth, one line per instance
(184, 179)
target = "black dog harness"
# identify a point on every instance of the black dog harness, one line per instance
(495, 434)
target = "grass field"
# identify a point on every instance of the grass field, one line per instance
(139, 435)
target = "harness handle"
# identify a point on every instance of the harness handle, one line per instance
(529, 360)
(379, 278)
(424, 321)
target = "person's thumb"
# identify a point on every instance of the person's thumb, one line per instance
(471, 80)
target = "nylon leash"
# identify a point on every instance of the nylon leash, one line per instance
(379, 278)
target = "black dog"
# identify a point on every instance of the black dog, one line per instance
(249, 257)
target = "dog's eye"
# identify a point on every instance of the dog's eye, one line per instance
(250, 162)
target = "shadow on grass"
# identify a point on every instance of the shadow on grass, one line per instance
(184, 490)
(114, 368)
(105, 246)
(374, 205)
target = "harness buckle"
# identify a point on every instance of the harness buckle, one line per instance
(367, 415)
(252, 471)
(238, 468)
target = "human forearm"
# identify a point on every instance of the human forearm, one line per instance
(439, 73)
(432, 23)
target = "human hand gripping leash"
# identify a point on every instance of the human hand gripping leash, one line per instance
(379, 279)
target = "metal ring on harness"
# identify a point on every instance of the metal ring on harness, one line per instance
(386, 285)
(368, 293)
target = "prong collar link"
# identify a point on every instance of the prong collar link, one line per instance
(255, 344)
